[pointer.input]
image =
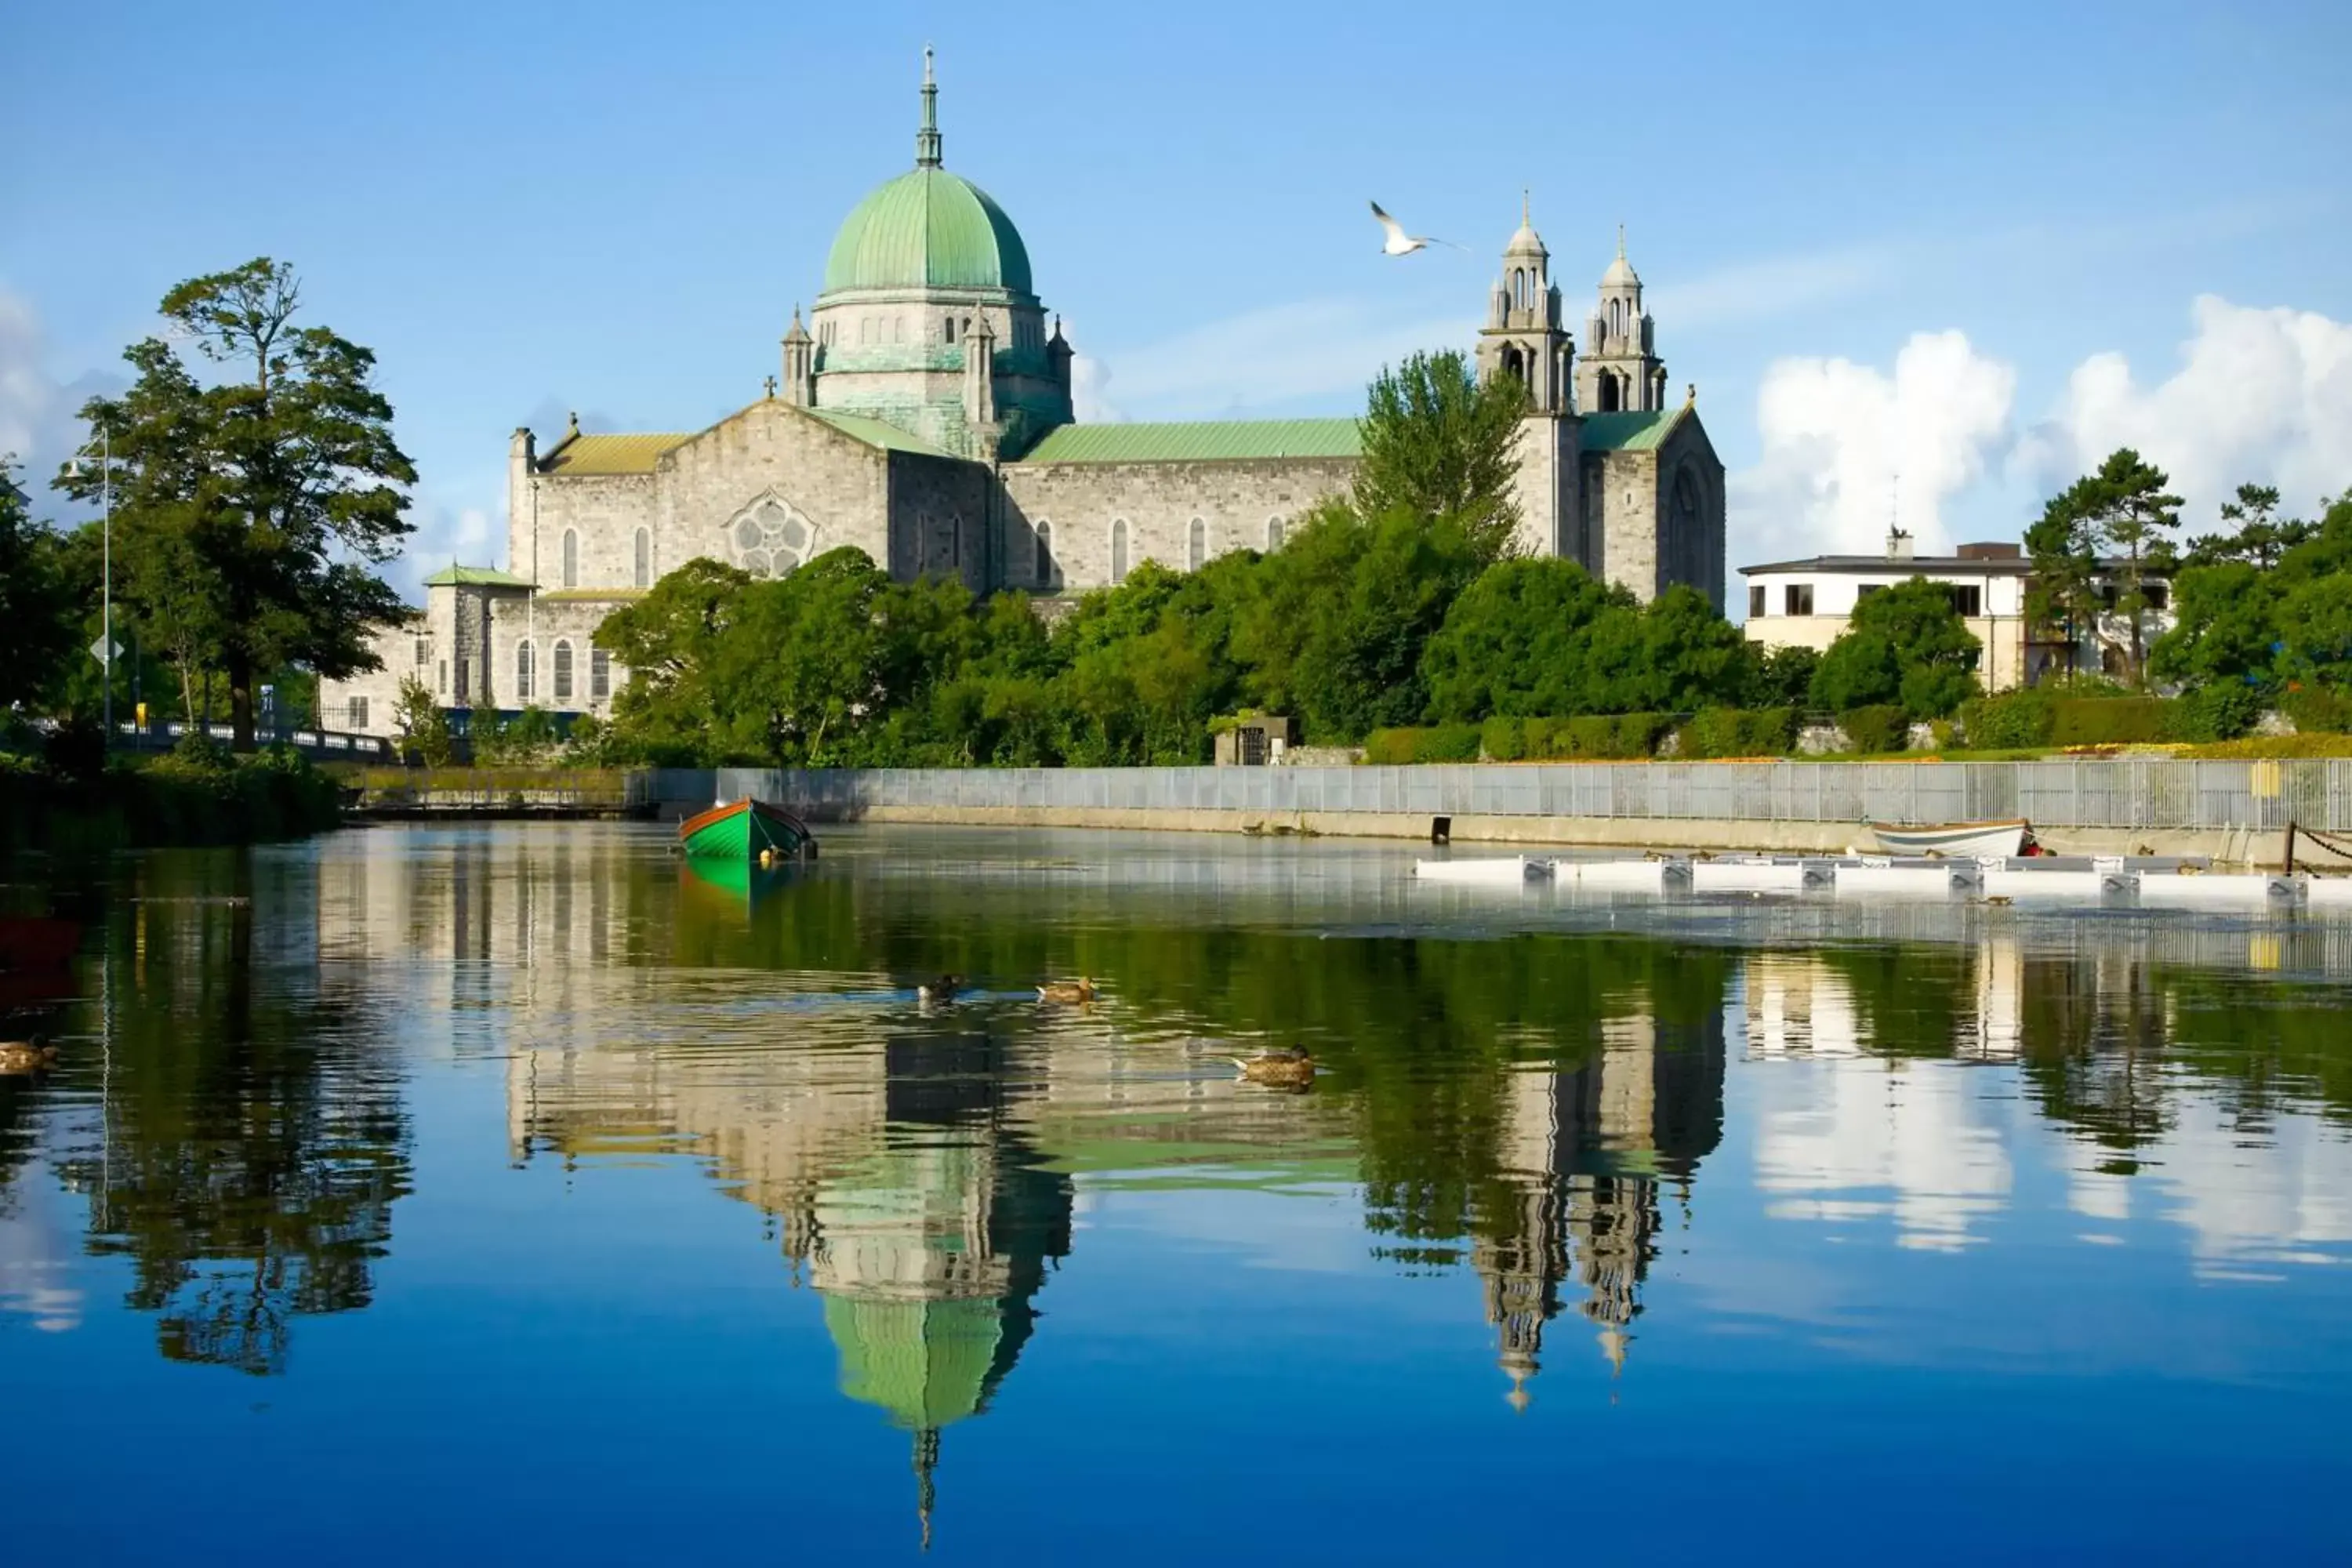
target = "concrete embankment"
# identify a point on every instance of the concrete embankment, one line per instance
(2235, 812)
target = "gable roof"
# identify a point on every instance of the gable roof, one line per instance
(877, 433)
(582, 456)
(1200, 441)
(1628, 432)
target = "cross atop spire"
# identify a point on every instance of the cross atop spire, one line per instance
(1524, 221)
(927, 139)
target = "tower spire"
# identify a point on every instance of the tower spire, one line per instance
(927, 139)
(1525, 222)
(1621, 242)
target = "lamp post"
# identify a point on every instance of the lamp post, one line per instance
(105, 602)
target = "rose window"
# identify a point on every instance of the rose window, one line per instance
(770, 539)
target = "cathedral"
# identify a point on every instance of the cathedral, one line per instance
(921, 412)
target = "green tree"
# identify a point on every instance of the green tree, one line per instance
(2315, 622)
(424, 727)
(1519, 642)
(1786, 677)
(2259, 539)
(669, 712)
(2122, 508)
(1438, 443)
(37, 633)
(2061, 595)
(1906, 645)
(279, 486)
(2225, 626)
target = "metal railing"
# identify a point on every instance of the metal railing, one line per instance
(163, 735)
(2105, 792)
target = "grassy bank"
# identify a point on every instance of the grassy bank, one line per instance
(200, 795)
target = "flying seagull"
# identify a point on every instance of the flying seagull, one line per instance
(1400, 243)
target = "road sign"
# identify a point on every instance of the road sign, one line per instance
(104, 652)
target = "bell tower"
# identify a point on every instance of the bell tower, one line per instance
(1523, 337)
(1621, 373)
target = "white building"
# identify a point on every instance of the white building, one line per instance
(1810, 604)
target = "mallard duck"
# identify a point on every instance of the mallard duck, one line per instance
(1080, 990)
(1288, 1067)
(17, 1056)
(944, 989)
(1999, 901)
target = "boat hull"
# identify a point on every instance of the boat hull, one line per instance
(740, 830)
(1954, 838)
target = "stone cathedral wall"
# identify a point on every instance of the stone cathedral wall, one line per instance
(1083, 501)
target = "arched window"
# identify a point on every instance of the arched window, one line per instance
(1608, 393)
(955, 542)
(563, 670)
(1118, 550)
(522, 670)
(1274, 534)
(570, 558)
(1196, 546)
(644, 573)
(1045, 554)
(600, 675)
(950, 328)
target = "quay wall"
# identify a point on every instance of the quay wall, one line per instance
(2236, 811)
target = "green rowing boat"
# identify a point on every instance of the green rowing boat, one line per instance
(745, 831)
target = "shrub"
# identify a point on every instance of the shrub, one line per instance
(1504, 739)
(1876, 726)
(1439, 743)
(2317, 710)
(1739, 733)
(2222, 711)
(1610, 736)
(2110, 720)
(2014, 720)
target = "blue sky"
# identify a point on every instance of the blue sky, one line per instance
(1896, 252)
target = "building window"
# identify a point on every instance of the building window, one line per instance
(1196, 546)
(1969, 600)
(1867, 589)
(522, 670)
(441, 684)
(644, 571)
(358, 713)
(1755, 600)
(1118, 550)
(465, 680)
(600, 675)
(1274, 534)
(955, 542)
(562, 671)
(2157, 594)
(948, 326)
(570, 558)
(1796, 599)
(770, 539)
(424, 652)
(1045, 554)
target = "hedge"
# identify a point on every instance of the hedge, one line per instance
(1739, 733)
(2013, 720)
(185, 799)
(2110, 720)
(1441, 743)
(2317, 711)
(1878, 727)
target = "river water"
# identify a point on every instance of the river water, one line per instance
(513, 1193)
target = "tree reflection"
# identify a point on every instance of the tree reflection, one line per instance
(253, 1141)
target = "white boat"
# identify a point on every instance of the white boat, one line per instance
(1956, 839)
(1509, 873)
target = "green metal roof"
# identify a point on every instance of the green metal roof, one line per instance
(595, 455)
(1628, 432)
(928, 229)
(455, 577)
(875, 433)
(1202, 441)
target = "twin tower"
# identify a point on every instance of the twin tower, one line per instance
(1610, 475)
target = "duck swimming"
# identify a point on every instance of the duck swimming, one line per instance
(1080, 989)
(1287, 1067)
(18, 1056)
(933, 992)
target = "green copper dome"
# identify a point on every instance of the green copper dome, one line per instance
(928, 229)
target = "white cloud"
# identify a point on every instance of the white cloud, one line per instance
(2262, 396)
(38, 422)
(470, 535)
(1848, 447)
